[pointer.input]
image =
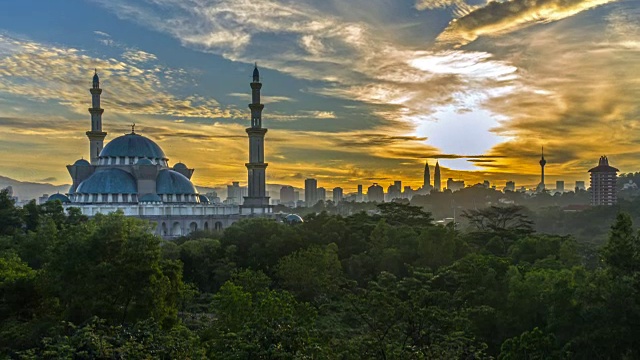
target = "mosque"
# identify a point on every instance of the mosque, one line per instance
(133, 175)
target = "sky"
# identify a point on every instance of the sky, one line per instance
(355, 91)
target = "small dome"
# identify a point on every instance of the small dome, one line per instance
(180, 166)
(144, 161)
(293, 219)
(62, 198)
(172, 182)
(203, 199)
(133, 145)
(81, 162)
(150, 198)
(109, 181)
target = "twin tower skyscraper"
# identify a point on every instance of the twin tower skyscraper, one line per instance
(437, 183)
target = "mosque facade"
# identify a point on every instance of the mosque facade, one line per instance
(132, 174)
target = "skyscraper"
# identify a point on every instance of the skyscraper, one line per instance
(510, 186)
(359, 196)
(603, 183)
(321, 194)
(338, 194)
(437, 184)
(310, 192)
(560, 186)
(375, 193)
(287, 196)
(256, 167)
(96, 135)
(426, 184)
(542, 162)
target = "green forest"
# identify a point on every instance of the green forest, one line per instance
(389, 285)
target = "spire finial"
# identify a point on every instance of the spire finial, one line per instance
(95, 71)
(256, 73)
(133, 128)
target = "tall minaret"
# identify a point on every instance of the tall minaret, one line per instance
(426, 184)
(256, 165)
(96, 135)
(437, 184)
(543, 162)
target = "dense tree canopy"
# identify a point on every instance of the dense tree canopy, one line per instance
(385, 284)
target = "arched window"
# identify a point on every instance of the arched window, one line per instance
(218, 226)
(176, 230)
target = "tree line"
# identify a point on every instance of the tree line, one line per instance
(390, 285)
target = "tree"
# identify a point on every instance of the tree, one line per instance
(268, 324)
(312, 274)
(621, 251)
(395, 213)
(112, 268)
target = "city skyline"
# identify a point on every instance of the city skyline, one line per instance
(355, 98)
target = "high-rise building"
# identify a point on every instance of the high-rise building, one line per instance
(510, 186)
(454, 185)
(235, 193)
(426, 183)
(560, 186)
(603, 183)
(543, 162)
(321, 194)
(437, 184)
(486, 184)
(287, 196)
(256, 167)
(580, 186)
(394, 191)
(360, 195)
(338, 194)
(375, 193)
(310, 192)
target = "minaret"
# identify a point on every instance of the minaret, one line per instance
(436, 178)
(543, 162)
(426, 184)
(256, 166)
(96, 135)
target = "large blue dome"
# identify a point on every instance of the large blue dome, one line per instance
(133, 145)
(172, 182)
(109, 181)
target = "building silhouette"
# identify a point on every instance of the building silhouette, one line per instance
(310, 192)
(455, 185)
(235, 193)
(287, 195)
(437, 184)
(580, 186)
(426, 183)
(321, 194)
(542, 162)
(603, 183)
(359, 195)
(510, 186)
(560, 186)
(338, 194)
(375, 193)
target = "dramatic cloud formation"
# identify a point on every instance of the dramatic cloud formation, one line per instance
(356, 91)
(41, 72)
(502, 17)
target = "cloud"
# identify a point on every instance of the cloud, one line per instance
(503, 17)
(42, 72)
(264, 99)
